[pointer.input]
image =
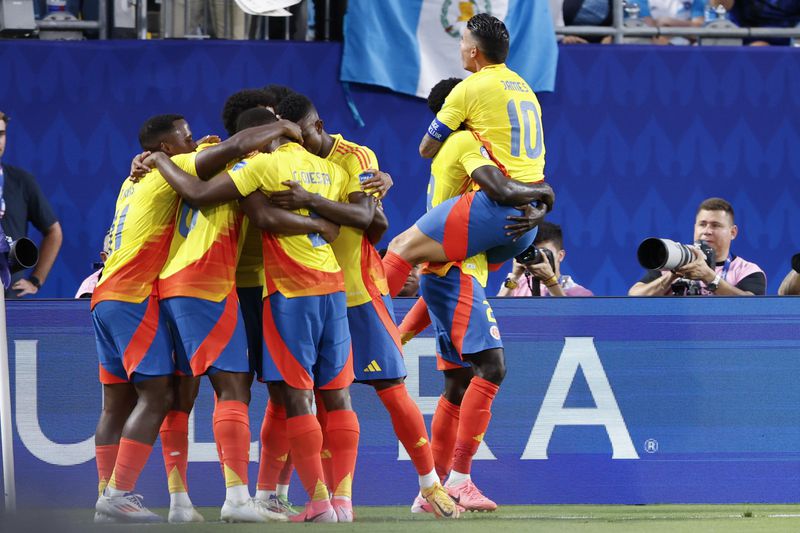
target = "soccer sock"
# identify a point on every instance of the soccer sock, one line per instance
(305, 441)
(131, 458)
(283, 490)
(397, 270)
(105, 457)
(409, 426)
(174, 434)
(415, 321)
(274, 447)
(232, 433)
(343, 431)
(444, 429)
(325, 454)
(219, 449)
(475, 415)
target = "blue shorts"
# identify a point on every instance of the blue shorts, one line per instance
(251, 301)
(472, 223)
(133, 341)
(208, 335)
(307, 341)
(377, 352)
(462, 318)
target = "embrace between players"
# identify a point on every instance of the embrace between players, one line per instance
(255, 255)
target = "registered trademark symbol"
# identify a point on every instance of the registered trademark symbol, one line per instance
(651, 445)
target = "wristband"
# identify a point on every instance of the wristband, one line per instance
(35, 282)
(551, 282)
(438, 130)
(509, 283)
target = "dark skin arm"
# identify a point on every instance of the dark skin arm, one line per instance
(511, 192)
(358, 213)
(530, 218)
(429, 147)
(198, 193)
(378, 227)
(212, 160)
(267, 217)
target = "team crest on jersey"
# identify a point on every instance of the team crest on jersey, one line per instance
(239, 165)
(494, 331)
(456, 13)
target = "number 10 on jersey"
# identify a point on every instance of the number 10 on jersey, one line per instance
(521, 131)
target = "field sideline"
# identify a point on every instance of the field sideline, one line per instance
(592, 518)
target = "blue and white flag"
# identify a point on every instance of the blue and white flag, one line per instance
(409, 45)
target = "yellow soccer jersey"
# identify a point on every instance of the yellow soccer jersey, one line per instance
(250, 269)
(457, 159)
(364, 278)
(296, 265)
(499, 105)
(203, 252)
(141, 234)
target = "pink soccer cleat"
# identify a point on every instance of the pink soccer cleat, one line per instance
(468, 496)
(316, 511)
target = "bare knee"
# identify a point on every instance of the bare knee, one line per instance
(337, 399)
(489, 365)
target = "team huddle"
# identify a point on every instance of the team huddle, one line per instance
(255, 257)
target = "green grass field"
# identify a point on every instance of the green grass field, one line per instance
(603, 518)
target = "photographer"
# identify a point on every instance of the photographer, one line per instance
(731, 275)
(791, 283)
(541, 274)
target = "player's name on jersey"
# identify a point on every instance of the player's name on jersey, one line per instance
(318, 178)
(515, 86)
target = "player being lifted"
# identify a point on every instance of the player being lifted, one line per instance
(500, 107)
(377, 352)
(307, 343)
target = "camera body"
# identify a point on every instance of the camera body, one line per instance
(18, 255)
(665, 254)
(533, 255)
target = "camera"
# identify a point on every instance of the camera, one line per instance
(664, 254)
(533, 255)
(21, 254)
(796, 263)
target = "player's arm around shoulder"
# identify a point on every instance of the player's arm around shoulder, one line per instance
(196, 192)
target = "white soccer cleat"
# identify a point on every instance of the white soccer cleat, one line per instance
(100, 518)
(181, 514)
(250, 510)
(125, 508)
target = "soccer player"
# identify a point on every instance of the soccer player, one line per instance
(500, 107)
(305, 314)
(377, 353)
(133, 341)
(275, 466)
(197, 299)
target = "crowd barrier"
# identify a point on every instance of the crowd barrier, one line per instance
(607, 400)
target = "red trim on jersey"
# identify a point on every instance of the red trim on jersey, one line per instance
(219, 337)
(212, 275)
(359, 152)
(372, 274)
(134, 281)
(388, 323)
(291, 371)
(142, 338)
(293, 279)
(462, 313)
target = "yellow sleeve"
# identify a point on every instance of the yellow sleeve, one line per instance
(454, 110)
(248, 175)
(186, 162)
(473, 155)
(352, 183)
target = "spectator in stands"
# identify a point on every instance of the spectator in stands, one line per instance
(732, 275)
(411, 287)
(591, 13)
(677, 13)
(520, 280)
(22, 201)
(763, 14)
(791, 283)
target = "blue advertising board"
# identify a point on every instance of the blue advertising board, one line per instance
(607, 400)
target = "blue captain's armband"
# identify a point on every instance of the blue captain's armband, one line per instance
(438, 130)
